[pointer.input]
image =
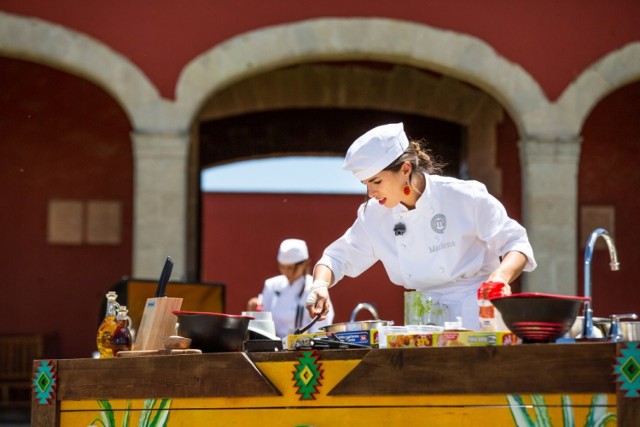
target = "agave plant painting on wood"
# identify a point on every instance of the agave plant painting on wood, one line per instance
(597, 417)
(107, 416)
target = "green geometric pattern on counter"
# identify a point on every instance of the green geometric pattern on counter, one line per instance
(307, 375)
(627, 369)
(44, 382)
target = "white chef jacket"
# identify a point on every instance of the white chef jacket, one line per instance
(287, 304)
(452, 242)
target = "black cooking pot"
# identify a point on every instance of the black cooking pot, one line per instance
(213, 332)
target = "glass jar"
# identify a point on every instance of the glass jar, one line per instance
(108, 326)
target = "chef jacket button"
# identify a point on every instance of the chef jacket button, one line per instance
(403, 245)
(408, 276)
(441, 269)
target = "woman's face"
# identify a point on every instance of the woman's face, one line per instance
(292, 271)
(386, 187)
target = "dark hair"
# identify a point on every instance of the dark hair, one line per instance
(421, 160)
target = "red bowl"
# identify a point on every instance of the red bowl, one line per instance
(536, 317)
(213, 332)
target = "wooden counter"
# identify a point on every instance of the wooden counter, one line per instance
(439, 386)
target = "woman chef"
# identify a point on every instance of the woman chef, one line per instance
(435, 234)
(285, 295)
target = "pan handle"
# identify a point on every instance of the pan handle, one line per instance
(306, 328)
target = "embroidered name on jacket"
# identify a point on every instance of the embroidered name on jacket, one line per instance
(443, 245)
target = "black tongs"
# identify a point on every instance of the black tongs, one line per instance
(306, 328)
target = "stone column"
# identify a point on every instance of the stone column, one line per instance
(160, 203)
(550, 195)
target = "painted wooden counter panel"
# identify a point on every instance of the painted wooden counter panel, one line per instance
(516, 385)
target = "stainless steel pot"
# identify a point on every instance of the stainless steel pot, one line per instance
(630, 330)
(363, 325)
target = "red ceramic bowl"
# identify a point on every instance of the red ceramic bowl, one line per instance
(536, 317)
(213, 332)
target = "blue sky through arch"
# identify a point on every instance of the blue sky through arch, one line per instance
(293, 174)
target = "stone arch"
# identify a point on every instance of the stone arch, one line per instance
(371, 39)
(53, 45)
(395, 88)
(606, 75)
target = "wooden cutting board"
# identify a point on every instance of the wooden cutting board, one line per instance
(137, 353)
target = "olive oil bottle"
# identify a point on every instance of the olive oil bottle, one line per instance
(108, 326)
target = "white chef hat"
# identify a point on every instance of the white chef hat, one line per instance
(375, 150)
(292, 251)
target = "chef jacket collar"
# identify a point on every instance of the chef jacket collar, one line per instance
(426, 194)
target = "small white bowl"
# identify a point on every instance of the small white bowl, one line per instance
(258, 315)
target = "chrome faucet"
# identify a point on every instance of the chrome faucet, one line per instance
(364, 306)
(587, 327)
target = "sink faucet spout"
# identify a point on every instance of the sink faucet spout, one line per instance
(587, 331)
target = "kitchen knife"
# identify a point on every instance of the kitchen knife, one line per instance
(161, 289)
(158, 320)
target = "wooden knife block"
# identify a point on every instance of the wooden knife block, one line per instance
(157, 322)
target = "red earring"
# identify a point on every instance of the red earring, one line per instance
(406, 189)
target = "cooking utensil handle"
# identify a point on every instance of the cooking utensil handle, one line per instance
(306, 328)
(161, 289)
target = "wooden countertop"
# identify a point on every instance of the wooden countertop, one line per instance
(527, 368)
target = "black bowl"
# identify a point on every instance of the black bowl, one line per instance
(213, 332)
(536, 317)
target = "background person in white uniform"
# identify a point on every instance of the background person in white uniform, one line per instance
(440, 235)
(285, 295)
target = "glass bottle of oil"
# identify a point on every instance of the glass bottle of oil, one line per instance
(108, 325)
(121, 338)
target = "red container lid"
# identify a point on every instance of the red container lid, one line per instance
(489, 290)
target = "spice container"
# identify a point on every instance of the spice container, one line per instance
(490, 319)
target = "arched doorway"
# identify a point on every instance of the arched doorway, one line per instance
(319, 109)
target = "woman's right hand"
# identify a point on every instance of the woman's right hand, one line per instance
(318, 299)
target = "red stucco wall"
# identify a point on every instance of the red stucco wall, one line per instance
(242, 232)
(609, 176)
(553, 41)
(60, 138)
